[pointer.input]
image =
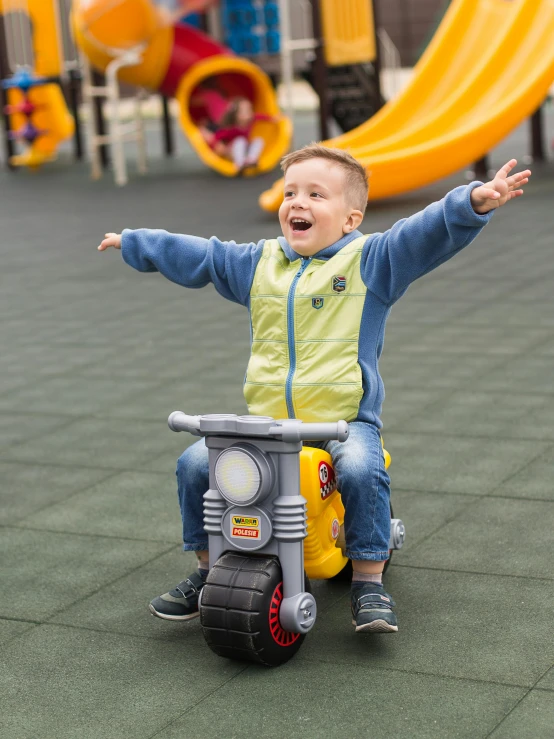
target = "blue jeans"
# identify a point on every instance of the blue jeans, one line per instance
(363, 482)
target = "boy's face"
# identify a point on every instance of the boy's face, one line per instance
(315, 211)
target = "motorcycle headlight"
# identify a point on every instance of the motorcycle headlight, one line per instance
(243, 474)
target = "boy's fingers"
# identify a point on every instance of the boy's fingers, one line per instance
(507, 168)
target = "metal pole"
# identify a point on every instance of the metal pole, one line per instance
(321, 81)
(287, 66)
(537, 138)
(73, 91)
(9, 147)
(377, 60)
(169, 143)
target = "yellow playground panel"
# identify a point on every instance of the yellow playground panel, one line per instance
(348, 32)
(51, 114)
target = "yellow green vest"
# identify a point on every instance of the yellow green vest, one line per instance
(305, 331)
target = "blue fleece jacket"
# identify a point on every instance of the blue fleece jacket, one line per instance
(390, 261)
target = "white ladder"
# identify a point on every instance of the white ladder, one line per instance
(118, 130)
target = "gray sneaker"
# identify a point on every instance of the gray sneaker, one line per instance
(372, 608)
(181, 603)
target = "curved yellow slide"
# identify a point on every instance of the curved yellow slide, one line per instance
(488, 67)
(51, 115)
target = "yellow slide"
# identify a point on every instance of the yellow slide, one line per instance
(488, 67)
(51, 114)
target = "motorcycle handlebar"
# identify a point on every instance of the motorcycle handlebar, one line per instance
(310, 431)
(179, 421)
(288, 430)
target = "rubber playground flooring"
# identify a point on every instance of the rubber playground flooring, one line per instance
(94, 357)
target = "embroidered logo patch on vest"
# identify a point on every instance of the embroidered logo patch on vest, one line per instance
(317, 303)
(339, 283)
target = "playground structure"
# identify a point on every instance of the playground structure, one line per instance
(180, 61)
(488, 67)
(38, 115)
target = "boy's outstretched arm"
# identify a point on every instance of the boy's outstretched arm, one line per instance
(499, 190)
(414, 246)
(190, 261)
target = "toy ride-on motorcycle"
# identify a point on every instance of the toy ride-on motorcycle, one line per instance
(274, 518)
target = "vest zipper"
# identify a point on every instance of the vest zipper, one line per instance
(290, 336)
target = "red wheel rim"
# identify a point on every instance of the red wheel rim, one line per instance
(280, 636)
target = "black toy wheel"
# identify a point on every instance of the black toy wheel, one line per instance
(239, 610)
(346, 573)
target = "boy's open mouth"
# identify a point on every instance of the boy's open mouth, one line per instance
(299, 224)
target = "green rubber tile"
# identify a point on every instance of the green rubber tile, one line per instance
(87, 684)
(533, 481)
(28, 488)
(439, 371)
(43, 572)
(18, 427)
(547, 682)
(414, 311)
(533, 718)
(404, 403)
(442, 287)
(489, 413)
(531, 373)
(460, 339)
(44, 359)
(73, 395)
(451, 464)
(546, 348)
(123, 606)
(95, 442)
(424, 513)
(207, 393)
(450, 624)
(495, 536)
(510, 312)
(11, 629)
(302, 699)
(134, 505)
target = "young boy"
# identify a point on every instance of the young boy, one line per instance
(318, 299)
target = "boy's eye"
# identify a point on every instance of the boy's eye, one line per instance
(289, 193)
(316, 195)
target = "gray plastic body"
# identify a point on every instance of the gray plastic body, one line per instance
(273, 520)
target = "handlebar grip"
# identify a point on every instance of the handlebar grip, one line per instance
(294, 431)
(179, 421)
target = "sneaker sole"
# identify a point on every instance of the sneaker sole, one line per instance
(166, 617)
(377, 626)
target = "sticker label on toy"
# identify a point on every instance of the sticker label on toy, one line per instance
(245, 527)
(241, 532)
(246, 521)
(327, 480)
(335, 528)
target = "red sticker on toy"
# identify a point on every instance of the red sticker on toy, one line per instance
(335, 528)
(327, 480)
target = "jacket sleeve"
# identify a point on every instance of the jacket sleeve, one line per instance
(191, 261)
(416, 245)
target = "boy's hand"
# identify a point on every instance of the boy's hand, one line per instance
(110, 240)
(499, 191)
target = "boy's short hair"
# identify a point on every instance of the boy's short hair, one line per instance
(357, 183)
